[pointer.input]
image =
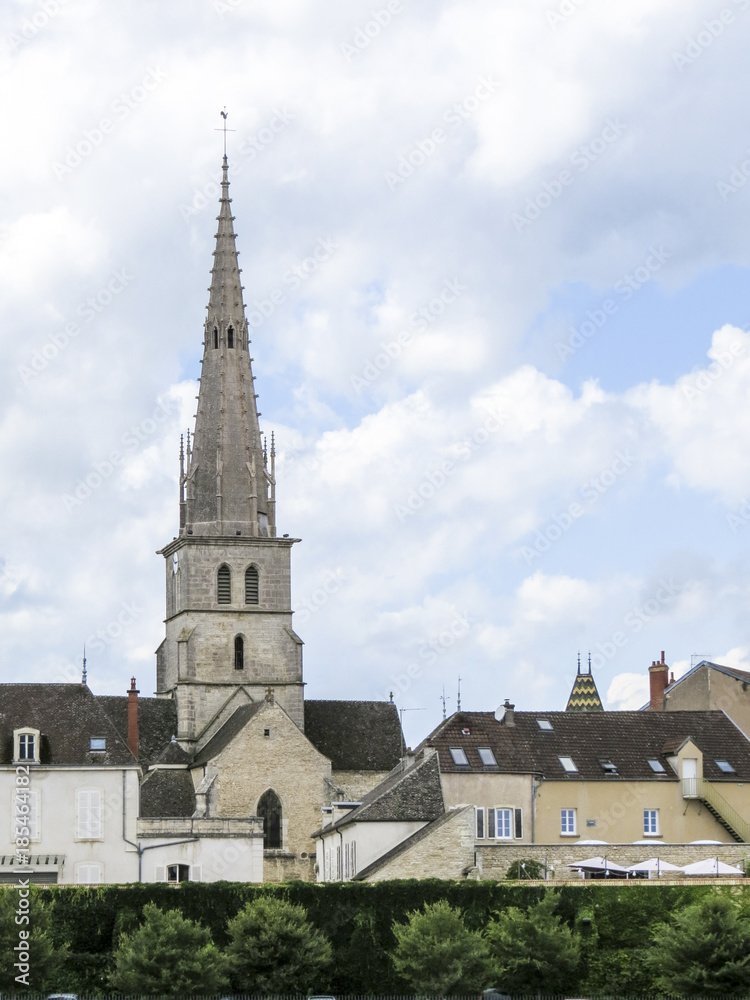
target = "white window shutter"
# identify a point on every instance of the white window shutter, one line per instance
(196, 873)
(96, 814)
(161, 873)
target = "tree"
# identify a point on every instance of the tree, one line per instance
(168, 955)
(437, 954)
(533, 951)
(45, 961)
(275, 949)
(704, 949)
(525, 868)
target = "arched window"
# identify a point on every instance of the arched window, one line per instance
(251, 585)
(239, 653)
(216, 338)
(230, 337)
(224, 585)
(269, 810)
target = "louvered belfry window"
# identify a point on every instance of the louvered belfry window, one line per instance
(251, 585)
(224, 585)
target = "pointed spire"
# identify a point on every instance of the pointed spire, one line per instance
(227, 486)
(84, 675)
(584, 695)
(579, 662)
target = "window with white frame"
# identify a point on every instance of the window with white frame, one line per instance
(89, 814)
(26, 746)
(504, 824)
(567, 822)
(480, 822)
(650, 822)
(88, 874)
(25, 813)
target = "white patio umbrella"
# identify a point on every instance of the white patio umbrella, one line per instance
(711, 867)
(597, 865)
(654, 865)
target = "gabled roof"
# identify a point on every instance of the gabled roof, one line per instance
(157, 723)
(173, 754)
(739, 675)
(67, 716)
(167, 794)
(355, 735)
(224, 736)
(627, 739)
(411, 792)
(406, 845)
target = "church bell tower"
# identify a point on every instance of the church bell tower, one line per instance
(229, 633)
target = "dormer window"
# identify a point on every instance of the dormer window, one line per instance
(26, 746)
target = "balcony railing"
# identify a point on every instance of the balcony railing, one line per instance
(696, 788)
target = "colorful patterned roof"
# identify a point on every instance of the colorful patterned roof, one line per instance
(584, 697)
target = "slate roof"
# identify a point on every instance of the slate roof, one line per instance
(408, 794)
(627, 739)
(174, 754)
(407, 844)
(167, 794)
(223, 737)
(355, 735)
(157, 723)
(67, 716)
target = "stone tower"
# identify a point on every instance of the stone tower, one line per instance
(229, 633)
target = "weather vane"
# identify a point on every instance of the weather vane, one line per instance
(225, 115)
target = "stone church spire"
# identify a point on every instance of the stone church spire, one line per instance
(227, 487)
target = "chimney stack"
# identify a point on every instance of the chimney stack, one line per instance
(658, 679)
(509, 714)
(133, 718)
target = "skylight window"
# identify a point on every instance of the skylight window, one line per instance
(608, 766)
(487, 756)
(568, 764)
(656, 766)
(545, 725)
(725, 766)
(97, 743)
(458, 755)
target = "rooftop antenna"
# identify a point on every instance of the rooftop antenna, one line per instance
(225, 115)
(458, 699)
(444, 700)
(83, 675)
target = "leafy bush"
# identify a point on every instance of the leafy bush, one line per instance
(526, 868)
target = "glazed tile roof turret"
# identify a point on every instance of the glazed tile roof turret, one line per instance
(584, 696)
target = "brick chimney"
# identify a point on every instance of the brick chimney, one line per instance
(658, 679)
(133, 718)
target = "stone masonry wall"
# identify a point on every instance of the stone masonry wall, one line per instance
(447, 852)
(353, 785)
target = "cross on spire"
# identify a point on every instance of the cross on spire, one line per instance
(225, 114)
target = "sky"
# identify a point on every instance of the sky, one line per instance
(495, 256)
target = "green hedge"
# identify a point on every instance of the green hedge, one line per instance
(356, 917)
